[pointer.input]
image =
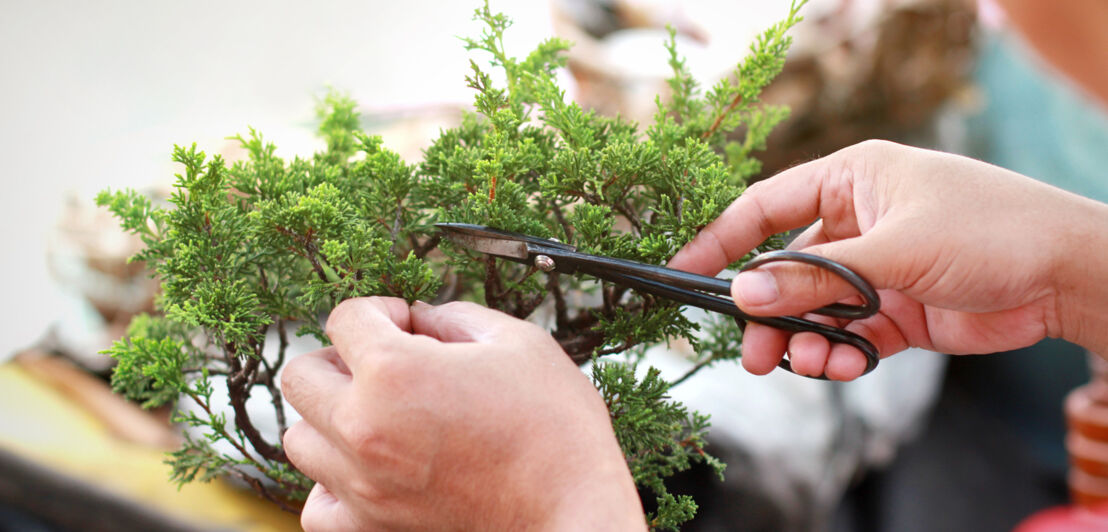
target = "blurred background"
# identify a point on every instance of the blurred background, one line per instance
(95, 95)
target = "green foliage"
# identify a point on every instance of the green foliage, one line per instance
(150, 363)
(254, 251)
(659, 437)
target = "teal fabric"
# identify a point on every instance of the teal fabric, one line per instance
(1036, 123)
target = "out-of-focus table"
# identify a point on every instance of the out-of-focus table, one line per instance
(69, 457)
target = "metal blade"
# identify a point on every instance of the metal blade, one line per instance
(468, 236)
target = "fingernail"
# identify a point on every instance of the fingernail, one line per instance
(420, 303)
(756, 288)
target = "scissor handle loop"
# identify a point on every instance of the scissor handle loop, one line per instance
(668, 283)
(871, 303)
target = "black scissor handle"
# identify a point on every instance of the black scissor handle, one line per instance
(834, 335)
(696, 290)
(871, 303)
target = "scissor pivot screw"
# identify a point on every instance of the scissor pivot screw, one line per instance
(544, 263)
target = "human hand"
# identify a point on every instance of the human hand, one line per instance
(451, 417)
(967, 257)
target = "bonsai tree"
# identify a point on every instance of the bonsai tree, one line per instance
(251, 252)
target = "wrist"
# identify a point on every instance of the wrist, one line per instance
(607, 501)
(1082, 280)
(583, 486)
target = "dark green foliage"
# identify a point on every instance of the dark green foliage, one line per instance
(250, 253)
(659, 437)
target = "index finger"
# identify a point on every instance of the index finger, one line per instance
(361, 325)
(786, 201)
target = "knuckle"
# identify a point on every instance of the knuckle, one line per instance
(824, 280)
(293, 386)
(841, 165)
(845, 159)
(756, 186)
(813, 279)
(366, 492)
(756, 204)
(874, 146)
(384, 363)
(357, 432)
(459, 306)
(531, 334)
(462, 307)
(346, 312)
(712, 240)
(291, 376)
(343, 312)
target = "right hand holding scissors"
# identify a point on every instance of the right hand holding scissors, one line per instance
(967, 257)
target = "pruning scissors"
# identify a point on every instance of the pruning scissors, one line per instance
(708, 293)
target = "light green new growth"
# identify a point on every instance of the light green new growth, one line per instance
(252, 252)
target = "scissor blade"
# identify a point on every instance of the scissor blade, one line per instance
(472, 238)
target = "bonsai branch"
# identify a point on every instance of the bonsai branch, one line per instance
(629, 213)
(719, 119)
(494, 285)
(263, 491)
(561, 217)
(561, 314)
(694, 370)
(421, 250)
(236, 443)
(268, 378)
(238, 391)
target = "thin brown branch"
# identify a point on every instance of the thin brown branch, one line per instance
(590, 198)
(525, 307)
(606, 291)
(494, 285)
(527, 274)
(270, 380)
(561, 217)
(625, 209)
(238, 391)
(283, 343)
(421, 250)
(260, 488)
(235, 442)
(561, 314)
(309, 252)
(397, 219)
(719, 119)
(580, 347)
(627, 344)
(693, 371)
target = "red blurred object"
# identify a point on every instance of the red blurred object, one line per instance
(1067, 519)
(1087, 444)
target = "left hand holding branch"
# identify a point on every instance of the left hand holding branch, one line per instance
(454, 416)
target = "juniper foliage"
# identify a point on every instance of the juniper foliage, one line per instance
(251, 252)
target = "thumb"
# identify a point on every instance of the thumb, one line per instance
(461, 321)
(793, 288)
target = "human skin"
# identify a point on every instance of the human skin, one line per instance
(1070, 36)
(461, 417)
(967, 257)
(452, 417)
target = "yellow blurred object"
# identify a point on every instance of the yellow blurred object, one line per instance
(43, 424)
